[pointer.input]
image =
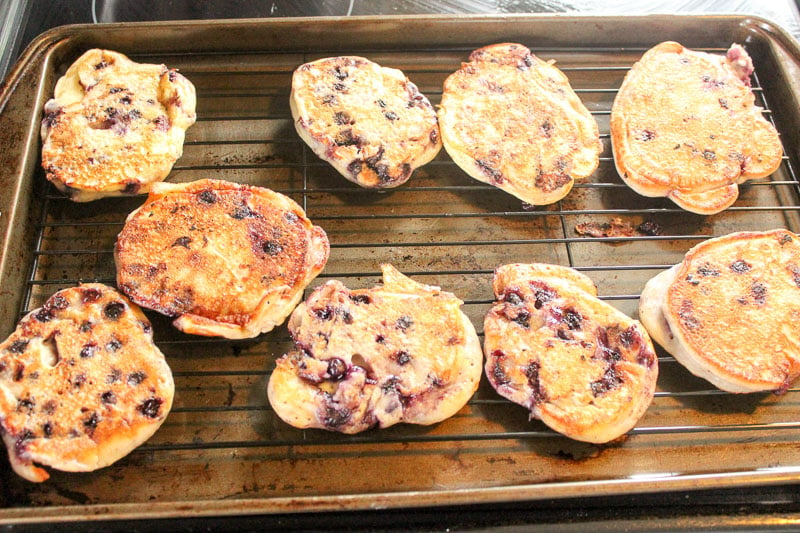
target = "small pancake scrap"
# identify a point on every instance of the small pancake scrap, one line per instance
(685, 125)
(226, 259)
(511, 120)
(730, 311)
(81, 383)
(114, 126)
(578, 364)
(400, 352)
(369, 122)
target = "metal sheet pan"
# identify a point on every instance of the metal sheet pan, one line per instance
(222, 451)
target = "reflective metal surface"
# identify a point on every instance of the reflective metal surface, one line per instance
(222, 451)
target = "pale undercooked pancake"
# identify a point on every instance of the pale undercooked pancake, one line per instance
(578, 364)
(364, 358)
(369, 122)
(512, 120)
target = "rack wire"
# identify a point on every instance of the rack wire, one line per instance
(442, 228)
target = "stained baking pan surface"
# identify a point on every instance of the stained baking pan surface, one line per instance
(222, 450)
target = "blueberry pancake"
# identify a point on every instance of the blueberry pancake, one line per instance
(730, 311)
(578, 364)
(511, 120)
(399, 352)
(114, 127)
(369, 122)
(81, 383)
(225, 259)
(685, 125)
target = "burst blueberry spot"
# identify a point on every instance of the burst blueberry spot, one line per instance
(151, 407)
(272, 248)
(91, 295)
(44, 314)
(610, 381)
(323, 313)
(136, 378)
(708, 271)
(572, 319)
(402, 357)
(26, 404)
(403, 323)
(182, 241)
(79, 380)
(337, 368)
(207, 197)
(522, 318)
(759, 292)
(114, 310)
(513, 296)
(161, 123)
(108, 397)
(487, 168)
(361, 298)
(18, 346)
(88, 351)
(341, 118)
(58, 302)
(336, 417)
(740, 266)
(113, 345)
(543, 293)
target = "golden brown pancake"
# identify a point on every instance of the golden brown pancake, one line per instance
(399, 352)
(730, 311)
(684, 125)
(114, 127)
(578, 364)
(509, 119)
(369, 122)
(227, 260)
(81, 383)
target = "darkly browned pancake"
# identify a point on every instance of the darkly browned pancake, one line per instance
(684, 125)
(400, 352)
(578, 364)
(227, 260)
(369, 122)
(82, 383)
(509, 119)
(730, 311)
(114, 126)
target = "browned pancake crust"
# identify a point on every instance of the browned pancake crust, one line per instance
(735, 304)
(82, 383)
(512, 120)
(114, 126)
(582, 367)
(400, 352)
(370, 122)
(226, 259)
(684, 125)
